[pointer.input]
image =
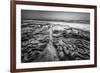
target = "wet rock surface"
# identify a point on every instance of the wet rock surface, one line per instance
(66, 44)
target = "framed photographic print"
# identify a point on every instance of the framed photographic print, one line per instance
(52, 36)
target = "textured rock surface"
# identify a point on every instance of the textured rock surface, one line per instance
(39, 45)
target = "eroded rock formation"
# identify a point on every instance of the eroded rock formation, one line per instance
(40, 43)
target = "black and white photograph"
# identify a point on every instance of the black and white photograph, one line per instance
(48, 36)
(52, 36)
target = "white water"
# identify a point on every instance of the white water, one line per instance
(82, 26)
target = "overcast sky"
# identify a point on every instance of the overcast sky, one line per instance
(33, 14)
